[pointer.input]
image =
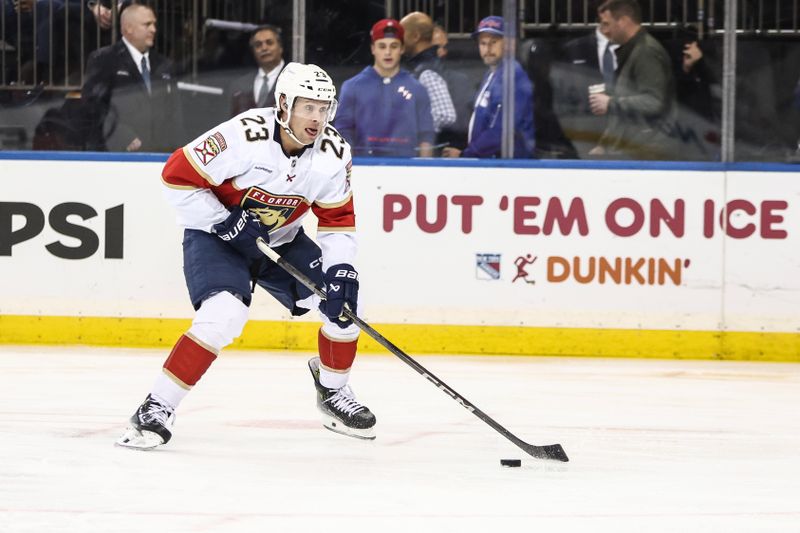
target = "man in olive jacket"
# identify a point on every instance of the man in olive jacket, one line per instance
(641, 108)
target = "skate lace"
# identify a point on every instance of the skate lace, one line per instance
(155, 411)
(345, 401)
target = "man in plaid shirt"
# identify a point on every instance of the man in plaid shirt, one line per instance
(424, 63)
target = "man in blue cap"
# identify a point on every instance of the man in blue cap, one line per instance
(486, 124)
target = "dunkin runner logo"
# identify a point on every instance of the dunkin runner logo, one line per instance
(274, 210)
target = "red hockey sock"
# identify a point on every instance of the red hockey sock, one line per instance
(336, 355)
(188, 361)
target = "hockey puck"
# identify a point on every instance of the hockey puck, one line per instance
(511, 462)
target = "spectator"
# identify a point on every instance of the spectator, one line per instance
(257, 89)
(694, 82)
(486, 125)
(54, 21)
(796, 106)
(641, 107)
(596, 53)
(384, 111)
(130, 90)
(698, 90)
(91, 22)
(759, 123)
(62, 127)
(440, 39)
(588, 61)
(462, 91)
(425, 65)
(537, 55)
(21, 21)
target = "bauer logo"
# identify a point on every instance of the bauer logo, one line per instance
(487, 266)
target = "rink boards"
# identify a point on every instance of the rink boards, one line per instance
(611, 259)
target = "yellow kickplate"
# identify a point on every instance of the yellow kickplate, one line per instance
(416, 338)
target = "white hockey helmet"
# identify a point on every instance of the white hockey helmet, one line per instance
(306, 81)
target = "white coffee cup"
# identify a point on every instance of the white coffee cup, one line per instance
(599, 88)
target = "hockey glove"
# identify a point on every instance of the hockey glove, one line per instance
(240, 230)
(341, 284)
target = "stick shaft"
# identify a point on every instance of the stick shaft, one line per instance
(543, 452)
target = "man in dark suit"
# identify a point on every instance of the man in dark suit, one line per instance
(257, 89)
(586, 61)
(129, 92)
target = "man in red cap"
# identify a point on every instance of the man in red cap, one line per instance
(384, 110)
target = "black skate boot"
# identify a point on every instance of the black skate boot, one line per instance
(341, 413)
(149, 426)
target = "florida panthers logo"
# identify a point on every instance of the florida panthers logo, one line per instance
(274, 210)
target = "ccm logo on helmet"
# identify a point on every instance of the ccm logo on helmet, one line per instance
(33, 222)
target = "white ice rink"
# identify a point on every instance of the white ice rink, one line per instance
(654, 446)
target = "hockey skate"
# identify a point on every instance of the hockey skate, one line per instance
(149, 426)
(341, 412)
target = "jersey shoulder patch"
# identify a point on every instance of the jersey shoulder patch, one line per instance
(210, 147)
(223, 151)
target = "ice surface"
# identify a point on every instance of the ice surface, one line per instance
(654, 446)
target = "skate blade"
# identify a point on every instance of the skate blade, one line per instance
(139, 440)
(332, 424)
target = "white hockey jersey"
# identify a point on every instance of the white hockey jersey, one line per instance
(241, 162)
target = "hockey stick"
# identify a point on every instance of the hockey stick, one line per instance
(550, 451)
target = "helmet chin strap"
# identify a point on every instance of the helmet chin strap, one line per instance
(285, 126)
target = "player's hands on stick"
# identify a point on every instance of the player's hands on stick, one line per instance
(240, 230)
(341, 285)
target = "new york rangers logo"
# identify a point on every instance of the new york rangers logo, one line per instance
(487, 266)
(274, 210)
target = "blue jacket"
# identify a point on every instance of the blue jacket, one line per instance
(486, 126)
(384, 119)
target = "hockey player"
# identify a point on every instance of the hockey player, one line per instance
(257, 175)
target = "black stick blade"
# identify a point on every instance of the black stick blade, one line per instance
(552, 452)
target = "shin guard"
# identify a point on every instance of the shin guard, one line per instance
(188, 361)
(336, 355)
